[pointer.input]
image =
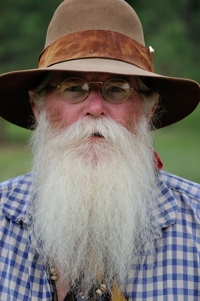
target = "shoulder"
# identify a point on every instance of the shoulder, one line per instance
(15, 196)
(20, 180)
(20, 184)
(182, 195)
(180, 185)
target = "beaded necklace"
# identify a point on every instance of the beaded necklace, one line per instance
(97, 293)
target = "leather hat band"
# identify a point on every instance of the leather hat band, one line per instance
(97, 44)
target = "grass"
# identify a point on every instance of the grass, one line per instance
(178, 146)
(180, 153)
(15, 159)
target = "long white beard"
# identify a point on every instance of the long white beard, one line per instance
(93, 197)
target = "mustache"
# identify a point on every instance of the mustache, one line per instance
(104, 128)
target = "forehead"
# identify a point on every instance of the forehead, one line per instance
(89, 76)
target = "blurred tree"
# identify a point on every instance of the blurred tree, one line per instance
(3, 136)
(173, 29)
(23, 26)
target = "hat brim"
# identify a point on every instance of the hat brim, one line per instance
(179, 97)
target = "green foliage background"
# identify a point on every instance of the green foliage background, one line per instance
(171, 27)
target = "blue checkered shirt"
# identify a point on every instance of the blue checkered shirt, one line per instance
(172, 275)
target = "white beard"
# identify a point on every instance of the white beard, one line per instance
(93, 197)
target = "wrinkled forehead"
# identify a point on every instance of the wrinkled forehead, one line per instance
(58, 77)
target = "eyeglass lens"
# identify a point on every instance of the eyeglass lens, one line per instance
(75, 90)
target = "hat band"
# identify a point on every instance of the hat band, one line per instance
(97, 44)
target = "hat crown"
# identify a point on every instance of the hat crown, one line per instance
(77, 15)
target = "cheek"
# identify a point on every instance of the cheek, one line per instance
(54, 112)
(131, 114)
(60, 113)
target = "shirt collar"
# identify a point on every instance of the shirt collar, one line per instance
(166, 206)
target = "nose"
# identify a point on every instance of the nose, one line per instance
(95, 104)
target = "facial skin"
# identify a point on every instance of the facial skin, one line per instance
(62, 114)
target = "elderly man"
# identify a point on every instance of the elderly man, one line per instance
(96, 218)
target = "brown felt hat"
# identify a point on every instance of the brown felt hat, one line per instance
(96, 36)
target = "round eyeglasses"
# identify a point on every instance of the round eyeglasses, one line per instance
(75, 89)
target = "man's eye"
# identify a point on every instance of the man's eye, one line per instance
(74, 88)
(115, 89)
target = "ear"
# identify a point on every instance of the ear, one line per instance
(154, 107)
(34, 107)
